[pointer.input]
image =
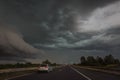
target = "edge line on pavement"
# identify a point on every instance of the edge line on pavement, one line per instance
(19, 76)
(81, 73)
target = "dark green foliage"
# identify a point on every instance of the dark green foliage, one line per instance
(83, 60)
(50, 63)
(98, 61)
(91, 61)
(117, 61)
(109, 59)
(46, 62)
(18, 65)
(25, 65)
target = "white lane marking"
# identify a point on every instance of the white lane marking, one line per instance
(81, 73)
(19, 76)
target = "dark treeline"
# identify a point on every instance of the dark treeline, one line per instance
(26, 65)
(18, 65)
(98, 61)
(50, 63)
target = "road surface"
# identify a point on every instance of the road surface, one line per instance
(69, 73)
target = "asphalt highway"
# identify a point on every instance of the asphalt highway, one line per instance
(69, 73)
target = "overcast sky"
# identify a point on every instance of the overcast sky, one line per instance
(59, 30)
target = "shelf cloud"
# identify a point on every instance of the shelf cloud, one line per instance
(30, 28)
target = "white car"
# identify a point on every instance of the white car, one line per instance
(44, 68)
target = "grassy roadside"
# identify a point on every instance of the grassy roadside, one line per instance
(4, 76)
(101, 69)
(112, 67)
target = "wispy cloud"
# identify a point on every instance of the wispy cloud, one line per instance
(101, 19)
(92, 31)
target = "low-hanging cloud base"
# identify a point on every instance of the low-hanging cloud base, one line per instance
(60, 28)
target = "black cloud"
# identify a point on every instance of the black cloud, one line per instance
(51, 22)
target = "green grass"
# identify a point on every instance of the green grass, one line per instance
(111, 67)
(4, 76)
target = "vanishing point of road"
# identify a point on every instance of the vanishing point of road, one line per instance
(69, 73)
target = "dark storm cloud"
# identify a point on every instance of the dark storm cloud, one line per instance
(114, 31)
(68, 24)
(106, 41)
(12, 47)
(12, 54)
(31, 14)
(61, 36)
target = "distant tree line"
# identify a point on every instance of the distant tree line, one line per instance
(18, 65)
(50, 63)
(25, 65)
(98, 61)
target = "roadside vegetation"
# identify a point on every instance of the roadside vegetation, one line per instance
(50, 63)
(99, 61)
(107, 62)
(25, 65)
(5, 76)
(18, 65)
